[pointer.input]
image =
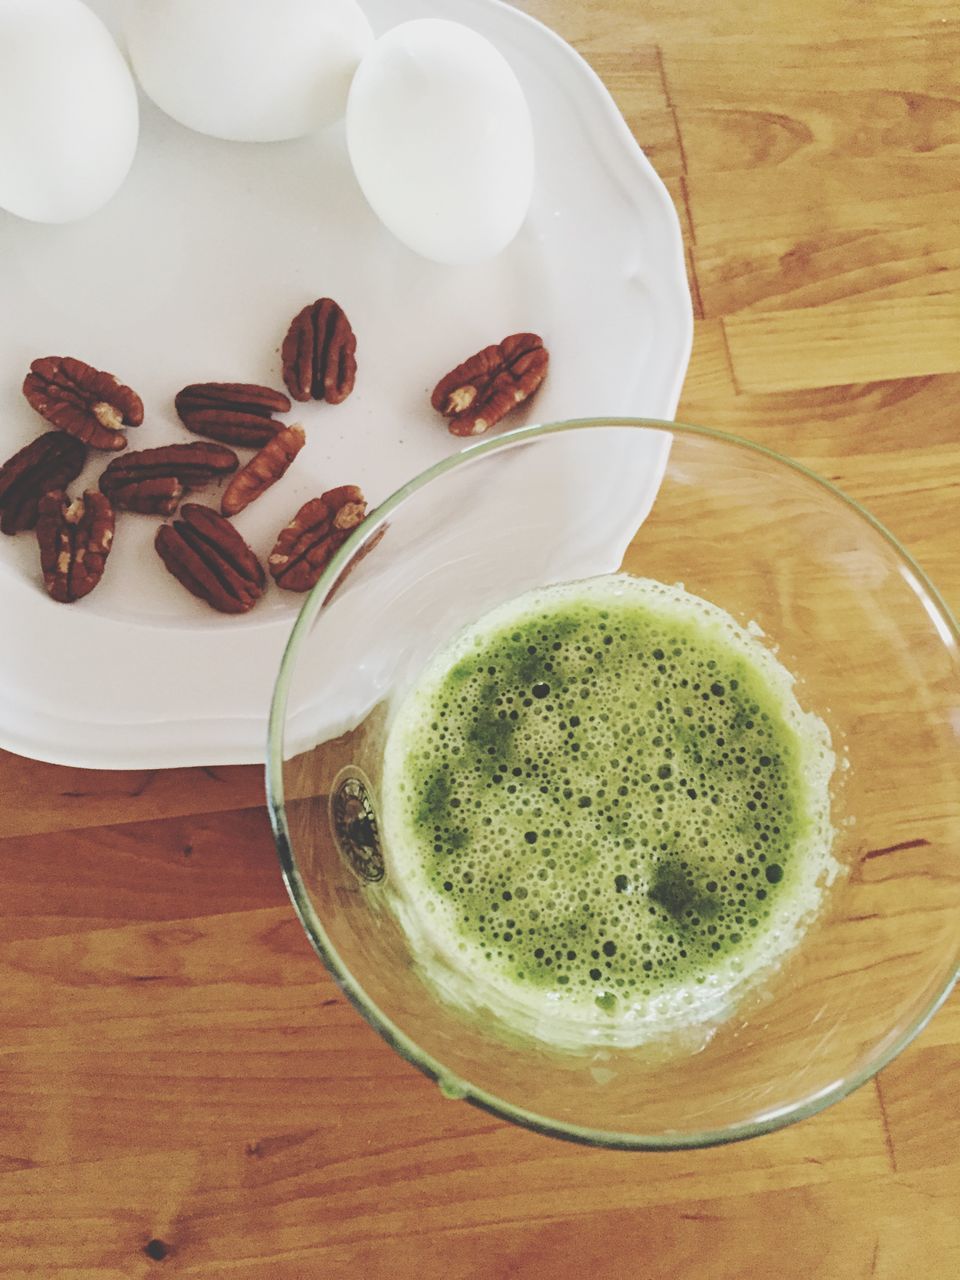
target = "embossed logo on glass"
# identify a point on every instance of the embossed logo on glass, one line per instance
(355, 825)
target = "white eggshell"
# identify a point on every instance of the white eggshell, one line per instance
(68, 111)
(441, 141)
(248, 70)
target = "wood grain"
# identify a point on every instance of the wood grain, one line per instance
(185, 1092)
(862, 340)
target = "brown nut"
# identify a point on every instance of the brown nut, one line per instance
(153, 481)
(319, 353)
(208, 556)
(236, 413)
(75, 539)
(306, 545)
(479, 392)
(88, 403)
(49, 462)
(264, 469)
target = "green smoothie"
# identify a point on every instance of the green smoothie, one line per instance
(604, 805)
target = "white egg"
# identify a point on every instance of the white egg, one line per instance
(248, 70)
(441, 141)
(68, 111)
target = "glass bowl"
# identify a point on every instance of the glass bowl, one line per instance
(874, 652)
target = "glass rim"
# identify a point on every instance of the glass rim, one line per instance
(454, 1086)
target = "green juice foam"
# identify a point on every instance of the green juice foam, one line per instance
(606, 812)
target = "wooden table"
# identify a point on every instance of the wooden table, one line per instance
(185, 1092)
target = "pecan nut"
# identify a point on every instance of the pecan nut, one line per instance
(49, 462)
(208, 556)
(153, 481)
(236, 413)
(264, 469)
(319, 353)
(88, 403)
(75, 537)
(307, 544)
(479, 392)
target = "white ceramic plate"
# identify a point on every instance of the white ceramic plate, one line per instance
(192, 273)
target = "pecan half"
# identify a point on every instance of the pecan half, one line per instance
(479, 392)
(208, 556)
(49, 462)
(88, 403)
(318, 353)
(153, 481)
(237, 413)
(75, 538)
(264, 469)
(306, 545)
